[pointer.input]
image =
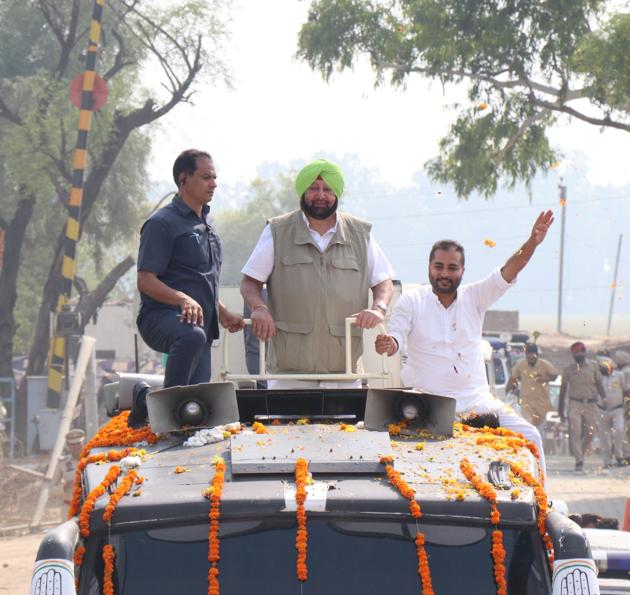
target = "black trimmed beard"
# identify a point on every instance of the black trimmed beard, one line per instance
(318, 213)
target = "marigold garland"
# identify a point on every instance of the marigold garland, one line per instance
(401, 485)
(301, 539)
(111, 456)
(214, 493)
(124, 487)
(115, 432)
(395, 478)
(505, 433)
(93, 496)
(423, 565)
(109, 555)
(543, 507)
(79, 555)
(487, 492)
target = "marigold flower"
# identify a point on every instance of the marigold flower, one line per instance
(109, 555)
(125, 486)
(490, 243)
(214, 493)
(301, 539)
(259, 428)
(93, 496)
(423, 565)
(486, 491)
(179, 469)
(543, 506)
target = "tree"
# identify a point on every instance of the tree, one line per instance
(525, 63)
(43, 44)
(240, 227)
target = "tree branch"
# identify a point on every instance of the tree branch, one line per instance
(6, 112)
(607, 122)
(501, 154)
(89, 303)
(119, 59)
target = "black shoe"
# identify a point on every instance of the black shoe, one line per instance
(139, 415)
(621, 463)
(579, 466)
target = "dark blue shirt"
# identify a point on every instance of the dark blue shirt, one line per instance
(185, 254)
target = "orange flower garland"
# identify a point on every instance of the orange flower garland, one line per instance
(301, 539)
(124, 487)
(423, 565)
(543, 506)
(504, 432)
(93, 496)
(109, 555)
(487, 492)
(79, 555)
(401, 485)
(414, 508)
(111, 456)
(116, 432)
(214, 494)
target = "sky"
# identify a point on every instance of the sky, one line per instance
(271, 112)
(281, 112)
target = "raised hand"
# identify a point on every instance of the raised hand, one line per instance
(541, 226)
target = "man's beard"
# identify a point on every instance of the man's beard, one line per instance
(579, 359)
(450, 288)
(319, 212)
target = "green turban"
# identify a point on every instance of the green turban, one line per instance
(329, 172)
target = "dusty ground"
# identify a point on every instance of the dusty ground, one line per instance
(18, 497)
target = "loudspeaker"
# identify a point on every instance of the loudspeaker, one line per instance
(128, 381)
(193, 407)
(421, 411)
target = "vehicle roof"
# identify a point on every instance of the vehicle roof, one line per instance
(429, 465)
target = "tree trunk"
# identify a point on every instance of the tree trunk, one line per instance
(90, 304)
(15, 231)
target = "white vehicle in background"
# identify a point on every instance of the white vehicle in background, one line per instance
(611, 553)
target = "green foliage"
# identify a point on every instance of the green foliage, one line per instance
(240, 227)
(604, 58)
(528, 60)
(43, 48)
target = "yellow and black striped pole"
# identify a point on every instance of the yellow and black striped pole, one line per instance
(57, 355)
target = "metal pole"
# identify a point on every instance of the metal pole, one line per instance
(58, 353)
(87, 346)
(91, 404)
(563, 207)
(614, 286)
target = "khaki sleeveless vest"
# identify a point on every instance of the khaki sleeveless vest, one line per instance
(311, 293)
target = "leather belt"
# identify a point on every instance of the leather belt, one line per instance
(583, 400)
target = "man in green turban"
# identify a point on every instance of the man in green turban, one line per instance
(319, 265)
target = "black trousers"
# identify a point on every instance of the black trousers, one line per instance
(186, 344)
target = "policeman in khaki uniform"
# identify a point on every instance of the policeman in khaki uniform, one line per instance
(533, 374)
(579, 392)
(611, 420)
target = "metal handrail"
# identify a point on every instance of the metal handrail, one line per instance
(348, 375)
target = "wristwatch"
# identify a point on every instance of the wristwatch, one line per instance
(382, 306)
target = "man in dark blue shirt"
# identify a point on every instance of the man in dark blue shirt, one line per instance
(178, 277)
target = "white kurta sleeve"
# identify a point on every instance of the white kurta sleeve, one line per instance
(260, 262)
